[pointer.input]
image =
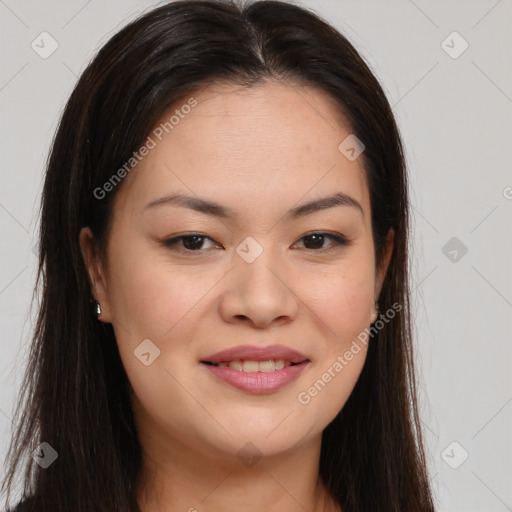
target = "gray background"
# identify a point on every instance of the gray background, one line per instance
(454, 112)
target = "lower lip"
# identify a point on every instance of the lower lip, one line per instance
(258, 382)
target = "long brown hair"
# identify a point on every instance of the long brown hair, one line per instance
(75, 390)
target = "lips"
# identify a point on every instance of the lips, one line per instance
(257, 382)
(255, 353)
(256, 369)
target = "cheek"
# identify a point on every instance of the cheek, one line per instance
(152, 300)
(341, 307)
(151, 297)
(341, 301)
(330, 386)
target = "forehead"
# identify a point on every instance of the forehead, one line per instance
(246, 147)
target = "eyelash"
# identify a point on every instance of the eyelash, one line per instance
(339, 240)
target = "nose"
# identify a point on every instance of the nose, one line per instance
(259, 293)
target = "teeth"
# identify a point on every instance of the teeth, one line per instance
(236, 365)
(256, 366)
(266, 366)
(280, 364)
(250, 366)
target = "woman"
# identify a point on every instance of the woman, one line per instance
(224, 215)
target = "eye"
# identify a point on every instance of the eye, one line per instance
(187, 243)
(316, 239)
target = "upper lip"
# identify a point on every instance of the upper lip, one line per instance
(256, 353)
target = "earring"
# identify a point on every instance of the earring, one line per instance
(375, 312)
(97, 308)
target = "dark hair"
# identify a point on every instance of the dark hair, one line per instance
(75, 390)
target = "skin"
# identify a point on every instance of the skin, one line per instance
(259, 151)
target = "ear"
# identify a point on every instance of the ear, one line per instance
(96, 272)
(382, 269)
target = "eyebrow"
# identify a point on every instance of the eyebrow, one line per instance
(211, 208)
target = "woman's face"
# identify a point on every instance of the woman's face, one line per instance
(256, 276)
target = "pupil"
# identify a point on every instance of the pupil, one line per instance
(193, 242)
(319, 240)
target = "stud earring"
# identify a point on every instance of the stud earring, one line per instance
(375, 312)
(97, 308)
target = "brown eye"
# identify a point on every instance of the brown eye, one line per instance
(315, 241)
(194, 243)
(187, 243)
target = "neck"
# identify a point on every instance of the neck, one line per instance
(197, 478)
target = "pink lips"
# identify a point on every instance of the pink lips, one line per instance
(257, 382)
(254, 353)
